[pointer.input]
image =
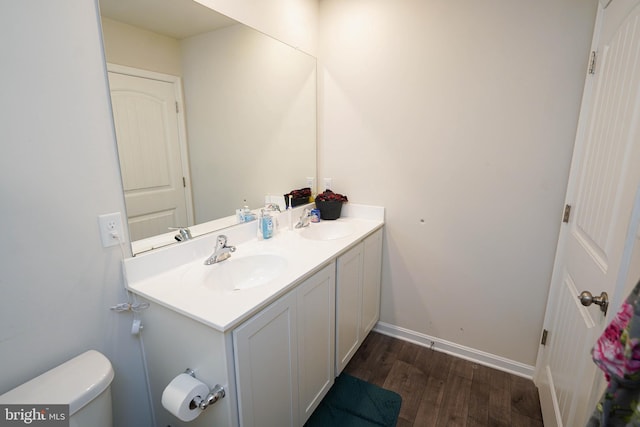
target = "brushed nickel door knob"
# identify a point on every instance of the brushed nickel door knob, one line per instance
(586, 299)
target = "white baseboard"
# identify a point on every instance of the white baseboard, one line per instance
(457, 350)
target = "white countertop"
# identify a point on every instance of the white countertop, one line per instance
(175, 277)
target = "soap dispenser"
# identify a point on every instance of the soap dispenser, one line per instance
(265, 225)
(245, 214)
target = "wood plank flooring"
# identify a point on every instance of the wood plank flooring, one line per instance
(442, 390)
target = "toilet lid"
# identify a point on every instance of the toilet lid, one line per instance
(75, 383)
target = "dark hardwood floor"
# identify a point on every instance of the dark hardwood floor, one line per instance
(442, 390)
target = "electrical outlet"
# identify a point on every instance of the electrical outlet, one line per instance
(111, 229)
(327, 183)
(310, 180)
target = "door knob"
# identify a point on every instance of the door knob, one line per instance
(587, 299)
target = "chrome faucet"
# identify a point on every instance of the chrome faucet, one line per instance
(273, 207)
(305, 218)
(183, 235)
(221, 252)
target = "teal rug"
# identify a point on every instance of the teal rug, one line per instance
(352, 402)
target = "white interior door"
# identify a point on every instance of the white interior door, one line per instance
(602, 192)
(148, 133)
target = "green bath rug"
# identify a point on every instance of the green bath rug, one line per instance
(352, 402)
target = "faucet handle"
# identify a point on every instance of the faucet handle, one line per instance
(305, 218)
(272, 207)
(221, 241)
(183, 235)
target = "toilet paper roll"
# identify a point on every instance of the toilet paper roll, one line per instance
(178, 395)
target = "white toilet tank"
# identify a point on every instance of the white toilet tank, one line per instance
(83, 383)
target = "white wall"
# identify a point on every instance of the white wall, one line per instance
(294, 22)
(134, 47)
(58, 172)
(458, 117)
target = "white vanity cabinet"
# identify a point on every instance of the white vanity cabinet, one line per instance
(275, 348)
(358, 275)
(284, 355)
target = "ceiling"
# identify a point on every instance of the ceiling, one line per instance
(174, 18)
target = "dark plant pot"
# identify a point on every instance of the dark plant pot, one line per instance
(329, 209)
(297, 201)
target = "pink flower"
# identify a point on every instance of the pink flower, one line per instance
(610, 352)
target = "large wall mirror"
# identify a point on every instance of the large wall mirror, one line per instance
(210, 115)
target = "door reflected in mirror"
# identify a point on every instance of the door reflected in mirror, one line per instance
(206, 120)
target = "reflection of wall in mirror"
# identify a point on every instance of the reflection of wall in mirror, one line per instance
(252, 99)
(134, 47)
(268, 94)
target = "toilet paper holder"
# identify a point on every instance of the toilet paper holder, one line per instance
(215, 394)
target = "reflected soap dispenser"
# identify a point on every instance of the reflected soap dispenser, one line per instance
(245, 214)
(265, 226)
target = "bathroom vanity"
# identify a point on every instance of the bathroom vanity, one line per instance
(274, 324)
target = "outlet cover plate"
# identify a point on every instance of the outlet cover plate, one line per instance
(110, 227)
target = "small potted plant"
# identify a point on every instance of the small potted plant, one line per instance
(297, 197)
(330, 204)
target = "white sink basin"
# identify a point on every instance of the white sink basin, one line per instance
(327, 230)
(237, 273)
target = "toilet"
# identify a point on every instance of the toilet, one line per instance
(83, 383)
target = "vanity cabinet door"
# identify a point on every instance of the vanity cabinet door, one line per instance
(357, 296)
(348, 305)
(372, 275)
(316, 337)
(266, 357)
(284, 355)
